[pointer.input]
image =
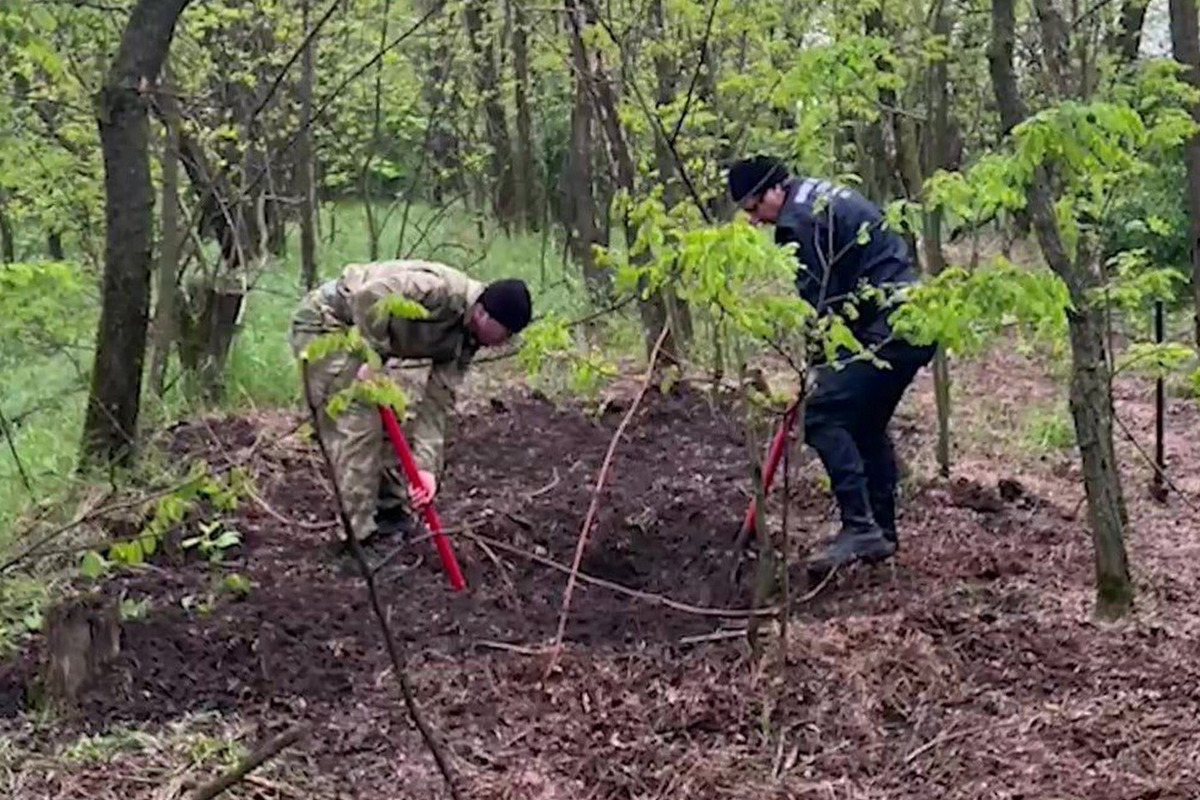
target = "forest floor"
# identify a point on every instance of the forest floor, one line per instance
(970, 668)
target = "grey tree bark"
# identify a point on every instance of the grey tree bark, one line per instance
(110, 424)
(8, 241)
(527, 197)
(1091, 397)
(580, 213)
(487, 82)
(171, 239)
(305, 167)
(939, 157)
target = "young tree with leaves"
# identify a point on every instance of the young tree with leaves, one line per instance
(1068, 164)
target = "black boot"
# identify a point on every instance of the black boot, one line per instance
(860, 539)
(393, 520)
(883, 507)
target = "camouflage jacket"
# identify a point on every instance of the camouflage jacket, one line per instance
(442, 337)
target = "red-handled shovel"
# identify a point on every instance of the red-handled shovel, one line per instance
(774, 456)
(400, 445)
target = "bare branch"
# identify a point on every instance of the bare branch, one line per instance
(394, 653)
(251, 762)
(648, 597)
(687, 103)
(12, 448)
(594, 506)
(312, 34)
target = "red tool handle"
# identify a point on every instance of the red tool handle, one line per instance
(400, 445)
(774, 456)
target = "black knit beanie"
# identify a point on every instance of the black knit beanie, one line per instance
(751, 177)
(508, 303)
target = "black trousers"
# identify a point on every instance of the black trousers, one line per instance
(846, 422)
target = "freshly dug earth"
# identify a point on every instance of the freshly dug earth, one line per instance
(969, 668)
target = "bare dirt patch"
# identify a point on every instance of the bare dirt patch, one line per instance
(969, 668)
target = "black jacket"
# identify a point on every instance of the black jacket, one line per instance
(825, 222)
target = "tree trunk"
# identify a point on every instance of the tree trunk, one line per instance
(443, 140)
(487, 82)
(1092, 410)
(1000, 65)
(373, 231)
(1055, 46)
(276, 228)
(83, 636)
(526, 187)
(938, 157)
(168, 257)
(1091, 397)
(207, 338)
(1126, 39)
(110, 425)
(54, 245)
(624, 172)
(305, 167)
(667, 306)
(8, 243)
(720, 206)
(1185, 41)
(583, 229)
(871, 150)
(207, 315)
(374, 227)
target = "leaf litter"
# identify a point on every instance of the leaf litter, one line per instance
(969, 668)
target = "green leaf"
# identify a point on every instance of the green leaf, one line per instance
(397, 307)
(93, 565)
(127, 553)
(336, 342)
(1156, 360)
(237, 584)
(373, 393)
(134, 609)
(228, 539)
(33, 620)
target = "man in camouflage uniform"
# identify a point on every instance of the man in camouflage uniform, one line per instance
(463, 315)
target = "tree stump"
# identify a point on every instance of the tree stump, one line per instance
(83, 634)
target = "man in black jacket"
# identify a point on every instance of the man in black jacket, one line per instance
(841, 245)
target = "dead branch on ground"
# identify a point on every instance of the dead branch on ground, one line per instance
(649, 597)
(594, 506)
(251, 762)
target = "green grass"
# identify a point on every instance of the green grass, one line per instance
(21, 601)
(261, 372)
(1048, 429)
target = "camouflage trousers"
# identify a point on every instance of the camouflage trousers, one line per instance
(368, 474)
